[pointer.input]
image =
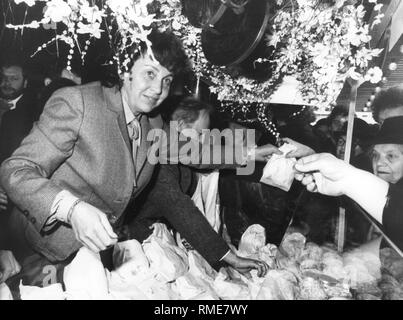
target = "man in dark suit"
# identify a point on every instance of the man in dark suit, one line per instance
(17, 107)
(168, 197)
(78, 172)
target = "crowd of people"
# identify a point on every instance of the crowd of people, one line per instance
(76, 168)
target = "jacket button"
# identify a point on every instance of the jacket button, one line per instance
(25, 213)
(33, 220)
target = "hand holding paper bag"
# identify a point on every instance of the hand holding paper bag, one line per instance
(279, 171)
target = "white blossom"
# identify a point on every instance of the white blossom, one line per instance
(57, 10)
(30, 3)
(374, 75)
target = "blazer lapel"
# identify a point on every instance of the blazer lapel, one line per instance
(115, 104)
(147, 124)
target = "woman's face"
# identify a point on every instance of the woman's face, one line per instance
(387, 162)
(147, 85)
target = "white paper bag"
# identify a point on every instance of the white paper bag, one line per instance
(166, 259)
(252, 241)
(279, 171)
(85, 278)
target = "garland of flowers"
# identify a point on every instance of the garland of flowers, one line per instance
(321, 43)
(80, 18)
(242, 98)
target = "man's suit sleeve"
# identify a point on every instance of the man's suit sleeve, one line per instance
(178, 208)
(25, 176)
(209, 154)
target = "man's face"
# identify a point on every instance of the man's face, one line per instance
(341, 147)
(195, 129)
(389, 113)
(12, 82)
(338, 122)
(146, 86)
(387, 162)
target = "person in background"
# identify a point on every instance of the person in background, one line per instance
(297, 125)
(17, 114)
(168, 197)
(17, 106)
(387, 151)
(388, 103)
(326, 129)
(363, 135)
(379, 194)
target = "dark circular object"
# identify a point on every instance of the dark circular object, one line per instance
(200, 12)
(234, 36)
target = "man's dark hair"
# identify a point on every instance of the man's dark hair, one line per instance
(14, 61)
(185, 108)
(339, 110)
(387, 99)
(167, 49)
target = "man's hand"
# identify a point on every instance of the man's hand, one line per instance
(301, 151)
(244, 265)
(263, 153)
(323, 173)
(92, 228)
(8, 265)
(3, 201)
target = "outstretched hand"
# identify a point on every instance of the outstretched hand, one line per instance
(244, 265)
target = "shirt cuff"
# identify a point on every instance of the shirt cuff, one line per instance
(61, 206)
(223, 257)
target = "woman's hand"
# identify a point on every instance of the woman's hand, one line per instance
(92, 228)
(244, 265)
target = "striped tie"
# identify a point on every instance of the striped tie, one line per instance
(134, 132)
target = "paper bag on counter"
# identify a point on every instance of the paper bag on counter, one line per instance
(129, 259)
(279, 171)
(85, 278)
(168, 261)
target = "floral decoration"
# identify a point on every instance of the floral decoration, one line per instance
(83, 18)
(321, 43)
